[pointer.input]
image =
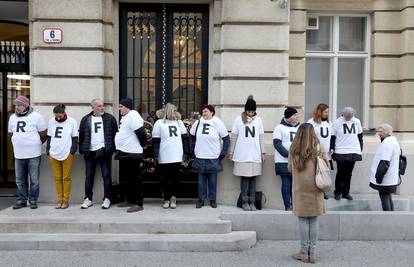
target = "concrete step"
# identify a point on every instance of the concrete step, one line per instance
(234, 241)
(146, 226)
(153, 220)
(366, 202)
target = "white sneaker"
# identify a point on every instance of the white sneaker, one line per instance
(173, 203)
(86, 203)
(166, 204)
(106, 204)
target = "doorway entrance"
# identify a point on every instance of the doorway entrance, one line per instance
(164, 58)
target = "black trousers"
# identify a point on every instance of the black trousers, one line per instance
(170, 173)
(130, 172)
(343, 177)
(386, 201)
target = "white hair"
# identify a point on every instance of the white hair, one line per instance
(94, 101)
(387, 128)
(170, 112)
(348, 111)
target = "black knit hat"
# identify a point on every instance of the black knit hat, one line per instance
(127, 102)
(289, 111)
(250, 104)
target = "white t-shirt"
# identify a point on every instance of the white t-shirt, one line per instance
(286, 135)
(171, 145)
(61, 134)
(209, 134)
(323, 131)
(247, 148)
(346, 133)
(26, 138)
(97, 133)
(388, 150)
(125, 139)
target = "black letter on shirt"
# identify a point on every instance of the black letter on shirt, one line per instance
(292, 136)
(21, 125)
(252, 132)
(173, 131)
(97, 126)
(205, 128)
(58, 132)
(327, 132)
(351, 131)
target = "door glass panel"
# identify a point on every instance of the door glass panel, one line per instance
(141, 59)
(187, 58)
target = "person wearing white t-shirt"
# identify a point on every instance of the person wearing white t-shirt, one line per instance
(323, 129)
(62, 143)
(130, 141)
(169, 143)
(283, 135)
(385, 167)
(207, 134)
(346, 148)
(28, 130)
(248, 152)
(97, 131)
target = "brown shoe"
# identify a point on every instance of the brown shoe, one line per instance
(58, 205)
(65, 205)
(312, 258)
(301, 257)
(135, 208)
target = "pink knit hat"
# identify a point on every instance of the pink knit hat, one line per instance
(21, 100)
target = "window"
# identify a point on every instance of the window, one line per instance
(337, 64)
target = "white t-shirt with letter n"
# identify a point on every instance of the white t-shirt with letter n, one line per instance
(171, 145)
(208, 135)
(247, 148)
(388, 150)
(286, 134)
(125, 139)
(97, 133)
(26, 138)
(61, 134)
(323, 131)
(346, 133)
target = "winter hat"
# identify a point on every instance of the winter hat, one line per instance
(127, 102)
(21, 100)
(289, 112)
(250, 104)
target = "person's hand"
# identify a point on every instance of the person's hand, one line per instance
(263, 157)
(331, 152)
(230, 156)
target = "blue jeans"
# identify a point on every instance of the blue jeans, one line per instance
(27, 167)
(211, 179)
(90, 167)
(287, 190)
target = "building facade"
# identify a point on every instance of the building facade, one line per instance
(190, 52)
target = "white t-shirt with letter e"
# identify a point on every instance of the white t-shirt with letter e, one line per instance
(61, 134)
(208, 137)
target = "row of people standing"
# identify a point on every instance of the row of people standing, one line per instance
(99, 138)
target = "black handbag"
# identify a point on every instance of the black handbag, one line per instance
(115, 195)
(260, 199)
(402, 164)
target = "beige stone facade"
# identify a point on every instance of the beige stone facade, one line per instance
(256, 47)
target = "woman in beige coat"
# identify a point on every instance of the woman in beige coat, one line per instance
(308, 202)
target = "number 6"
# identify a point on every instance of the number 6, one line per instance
(52, 34)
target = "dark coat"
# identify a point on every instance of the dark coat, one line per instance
(110, 127)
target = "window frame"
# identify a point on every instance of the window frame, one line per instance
(334, 57)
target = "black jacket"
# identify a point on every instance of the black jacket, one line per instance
(110, 127)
